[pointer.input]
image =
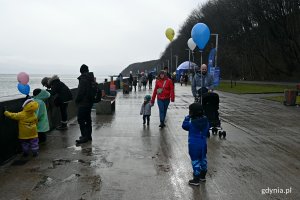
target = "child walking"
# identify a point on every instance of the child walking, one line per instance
(39, 96)
(146, 109)
(27, 122)
(198, 126)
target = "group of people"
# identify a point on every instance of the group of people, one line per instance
(140, 80)
(33, 119)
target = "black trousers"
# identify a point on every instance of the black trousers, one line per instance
(146, 117)
(85, 121)
(64, 112)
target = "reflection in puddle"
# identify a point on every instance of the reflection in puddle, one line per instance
(76, 148)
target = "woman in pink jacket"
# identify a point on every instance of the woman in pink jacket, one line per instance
(164, 90)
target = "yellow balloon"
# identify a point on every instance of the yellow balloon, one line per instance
(170, 34)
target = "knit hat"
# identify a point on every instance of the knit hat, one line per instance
(147, 97)
(26, 102)
(196, 110)
(36, 91)
(84, 68)
(45, 81)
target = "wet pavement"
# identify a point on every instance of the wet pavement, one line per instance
(127, 160)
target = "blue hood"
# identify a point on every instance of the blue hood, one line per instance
(200, 123)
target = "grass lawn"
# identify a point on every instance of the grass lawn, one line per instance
(246, 88)
(281, 99)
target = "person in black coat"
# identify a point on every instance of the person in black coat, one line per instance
(84, 104)
(62, 96)
(150, 79)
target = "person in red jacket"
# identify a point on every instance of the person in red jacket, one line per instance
(164, 90)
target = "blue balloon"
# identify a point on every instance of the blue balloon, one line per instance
(24, 89)
(200, 34)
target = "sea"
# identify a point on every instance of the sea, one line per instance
(9, 90)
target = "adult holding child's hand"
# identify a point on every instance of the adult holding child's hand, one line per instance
(164, 90)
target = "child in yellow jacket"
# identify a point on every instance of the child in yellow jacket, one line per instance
(27, 122)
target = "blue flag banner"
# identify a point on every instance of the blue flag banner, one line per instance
(211, 59)
(215, 71)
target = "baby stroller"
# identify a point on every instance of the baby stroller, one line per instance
(125, 88)
(210, 103)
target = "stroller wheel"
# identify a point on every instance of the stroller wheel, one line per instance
(214, 130)
(220, 134)
(224, 134)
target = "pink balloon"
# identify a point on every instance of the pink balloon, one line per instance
(23, 78)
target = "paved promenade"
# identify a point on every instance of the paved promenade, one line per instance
(129, 161)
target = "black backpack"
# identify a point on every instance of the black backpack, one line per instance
(95, 92)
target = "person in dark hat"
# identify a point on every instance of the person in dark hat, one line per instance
(198, 126)
(63, 96)
(84, 104)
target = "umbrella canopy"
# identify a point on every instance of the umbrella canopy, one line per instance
(186, 65)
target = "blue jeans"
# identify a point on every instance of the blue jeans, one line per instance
(163, 107)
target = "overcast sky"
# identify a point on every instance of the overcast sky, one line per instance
(57, 36)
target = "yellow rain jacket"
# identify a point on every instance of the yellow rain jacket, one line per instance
(27, 120)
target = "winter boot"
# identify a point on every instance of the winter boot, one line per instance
(82, 140)
(202, 176)
(62, 126)
(162, 124)
(195, 181)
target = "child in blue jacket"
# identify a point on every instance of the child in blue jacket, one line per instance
(198, 126)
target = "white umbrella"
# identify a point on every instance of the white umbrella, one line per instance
(186, 65)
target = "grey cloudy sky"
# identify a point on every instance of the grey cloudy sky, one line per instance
(57, 36)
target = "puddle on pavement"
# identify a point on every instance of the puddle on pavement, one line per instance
(74, 147)
(101, 163)
(71, 178)
(57, 162)
(164, 167)
(45, 181)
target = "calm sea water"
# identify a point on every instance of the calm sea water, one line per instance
(9, 90)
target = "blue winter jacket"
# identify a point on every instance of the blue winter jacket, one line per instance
(197, 128)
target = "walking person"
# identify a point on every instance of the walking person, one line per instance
(186, 79)
(198, 126)
(62, 96)
(140, 82)
(134, 83)
(203, 80)
(84, 103)
(146, 109)
(40, 96)
(130, 79)
(27, 122)
(150, 79)
(164, 90)
(144, 81)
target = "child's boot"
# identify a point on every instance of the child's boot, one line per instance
(202, 176)
(195, 181)
(35, 153)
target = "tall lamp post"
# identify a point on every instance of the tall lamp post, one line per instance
(217, 44)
